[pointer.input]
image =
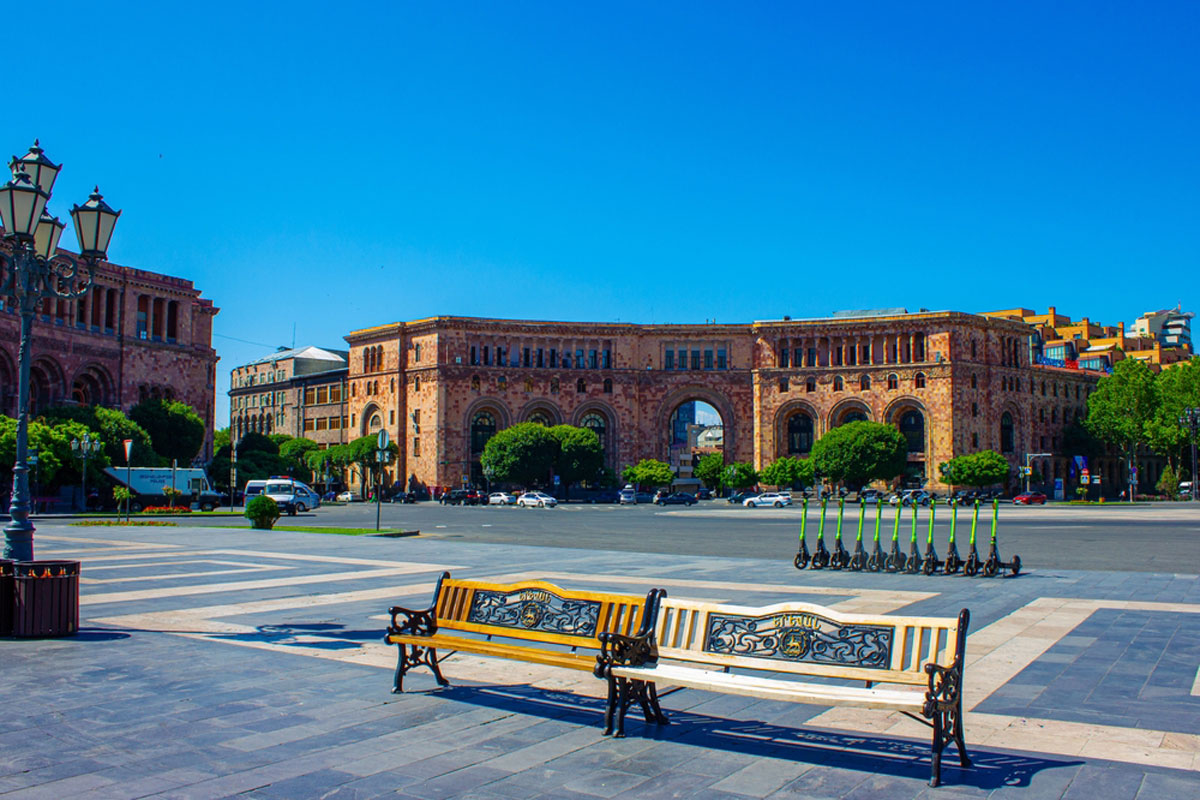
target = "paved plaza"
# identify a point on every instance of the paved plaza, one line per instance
(218, 663)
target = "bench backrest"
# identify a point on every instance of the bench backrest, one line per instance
(538, 610)
(804, 638)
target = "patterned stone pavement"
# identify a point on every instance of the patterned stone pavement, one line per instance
(220, 663)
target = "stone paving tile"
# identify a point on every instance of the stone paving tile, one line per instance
(456, 783)
(604, 782)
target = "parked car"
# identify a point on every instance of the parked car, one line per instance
(676, 499)
(604, 496)
(870, 497)
(774, 499)
(737, 498)
(1029, 499)
(501, 499)
(292, 497)
(403, 497)
(628, 496)
(909, 497)
(704, 494)
(349, 497)
(538, 499)
(462, 497)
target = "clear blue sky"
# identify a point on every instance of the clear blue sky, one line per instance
(338, 166)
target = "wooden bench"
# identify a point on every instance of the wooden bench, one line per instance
(695, 644)
(536, 622)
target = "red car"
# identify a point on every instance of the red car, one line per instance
(1029, 499)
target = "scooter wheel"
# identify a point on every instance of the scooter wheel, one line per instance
(1016, 565)
(990, 569)
(800, 561)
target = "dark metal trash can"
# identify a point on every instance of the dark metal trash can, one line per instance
(6, 597)
(45, 598)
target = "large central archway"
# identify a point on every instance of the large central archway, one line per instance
(694, 422)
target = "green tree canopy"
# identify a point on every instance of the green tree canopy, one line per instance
(711, 470)
(975, 469)
(741, 475)
(57, 465)
(788, 471)
(295, 453)
(648, 473)
(1175, 388)
(523, 454)
(1122, 405)
(579, 456)
(857, 453)
(176, 430)
(113, 428)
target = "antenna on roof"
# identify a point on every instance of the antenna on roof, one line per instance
(293, 336)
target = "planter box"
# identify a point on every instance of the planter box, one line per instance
(6, 597)
(45, 598)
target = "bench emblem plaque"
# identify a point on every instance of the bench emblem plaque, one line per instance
(807, 638)
(535, 610)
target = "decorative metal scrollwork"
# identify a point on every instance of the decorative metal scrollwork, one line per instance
(802, 637)
(415, 623)
(535, 610)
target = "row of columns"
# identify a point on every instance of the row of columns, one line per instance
(849, 351)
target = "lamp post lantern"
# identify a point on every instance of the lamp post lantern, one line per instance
(1190, 419)
(84, 450)
(34, 271)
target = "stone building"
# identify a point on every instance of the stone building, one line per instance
(297, 391)
(952, 382)
(135, 335)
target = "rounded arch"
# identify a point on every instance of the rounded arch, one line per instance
(585, 417)
(793, 434)
(541, 411)
(670, 403)
(909, 416)
(93, 385)
(47, 383)
(850, 410)
(371, 419)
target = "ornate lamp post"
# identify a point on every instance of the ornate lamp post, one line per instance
(1190, 419)
(31, 274)
(84, 451)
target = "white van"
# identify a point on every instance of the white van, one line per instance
(291, 495)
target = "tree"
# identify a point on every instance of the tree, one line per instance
(711, 470)
(113, 428)
(57, 465)
(857, 453)
(364, 451)
(649, 472)
(523, 454)
(1121, 406)
(176, 430)
(221, 438)
(1175, 388)
(579, 456)
(1168, 482)
(295, 453)
(257, 459)
(788, 471)
(975, 469)
(741, 475)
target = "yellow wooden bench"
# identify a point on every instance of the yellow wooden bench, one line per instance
(531, 621)
(696, 644)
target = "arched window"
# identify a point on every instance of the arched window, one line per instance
(912, 427)
(1007, 436)
(919, 380)
(810, 384)
(581, 386)
(853, 415)
(608, 385)
(838, 383)
(893, 381)
(864, 383)
(375, 424)
(597, 425)
(799, 433)
(539, 417)
(483, 427)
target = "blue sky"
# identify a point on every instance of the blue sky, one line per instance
(337, 167)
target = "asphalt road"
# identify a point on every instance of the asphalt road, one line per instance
(1147, 538)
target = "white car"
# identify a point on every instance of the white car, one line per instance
(773, 499)
(349, 497)
(501, 499)
(538, 499)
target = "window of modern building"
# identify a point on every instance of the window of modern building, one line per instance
(309, 425)
(335, 423)
(322, 423)
(310, 396)
(322, 394)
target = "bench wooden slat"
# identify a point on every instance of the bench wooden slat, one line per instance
(498, 649)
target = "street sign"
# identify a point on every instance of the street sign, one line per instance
(382, 440)
(1096, 480)
(128, 449)
(1085, 475)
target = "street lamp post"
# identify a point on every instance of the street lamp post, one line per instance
(1190, 419)
(381, 454)
(84, 450)
(31, 274)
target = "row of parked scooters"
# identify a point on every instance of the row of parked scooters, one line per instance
(927, 563)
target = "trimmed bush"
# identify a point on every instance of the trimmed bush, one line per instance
(262, 512)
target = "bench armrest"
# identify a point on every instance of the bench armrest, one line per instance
(617, 649)
(945, 683)
(413, 622)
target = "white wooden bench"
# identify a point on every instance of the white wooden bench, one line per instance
(774, 648)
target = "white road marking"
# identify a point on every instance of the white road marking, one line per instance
(1196, 683)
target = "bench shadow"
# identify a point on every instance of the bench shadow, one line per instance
(876, 754)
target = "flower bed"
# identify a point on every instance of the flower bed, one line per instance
(166, 510)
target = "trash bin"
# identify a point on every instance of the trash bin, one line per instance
(6, 597)
(45, 598)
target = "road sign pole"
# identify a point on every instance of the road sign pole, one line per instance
(381, 455)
